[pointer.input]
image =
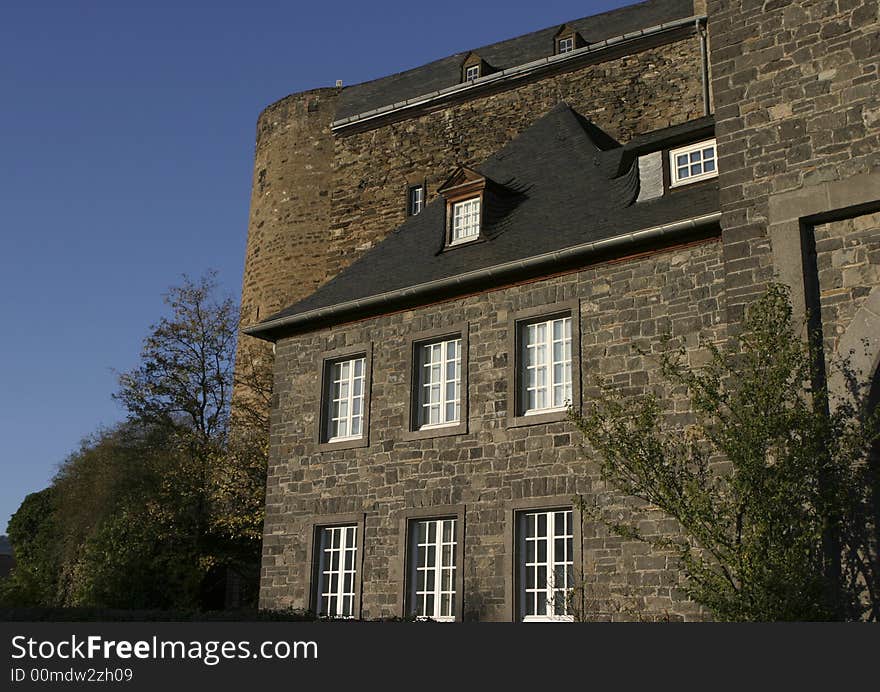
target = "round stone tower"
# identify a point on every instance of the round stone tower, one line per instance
(287, 246)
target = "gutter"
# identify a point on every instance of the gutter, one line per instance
(544, 261)
(518, 72)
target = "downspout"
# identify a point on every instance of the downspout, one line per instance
(704, 62)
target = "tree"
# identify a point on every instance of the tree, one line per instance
(184, 381)
(153, 512)
(183, 386)
(33, 533)
(760, 480)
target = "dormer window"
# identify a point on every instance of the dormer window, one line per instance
(473, 67)
(693, 163)
(465, 199)
(465, 220)
(567, 39)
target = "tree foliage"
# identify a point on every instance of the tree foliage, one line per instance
(772, 491)
(33, 533)
(155, 512)
(184, 380)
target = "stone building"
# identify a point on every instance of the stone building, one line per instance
(445, 259)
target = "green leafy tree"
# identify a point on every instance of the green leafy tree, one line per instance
(771, 490)
(34, 536)
(183, 386)
(153, 512)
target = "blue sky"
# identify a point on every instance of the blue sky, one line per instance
(126, 153)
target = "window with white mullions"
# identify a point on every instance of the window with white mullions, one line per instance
(546, 360)
(472, 72)
(566, 45)
(432, 569)
(416, 199)
(346, 400)
(465, 220)
(693, 162)
(337, 560)
(440, 383)
(546, 556)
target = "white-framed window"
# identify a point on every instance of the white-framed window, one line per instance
(694, 162)
(546, 365)
(432, 579)
(439, 383)
(416, 199)
(336, 571)
(565, 45)
(345, 399)
(465, 221)
(471, 73)
(546, 565)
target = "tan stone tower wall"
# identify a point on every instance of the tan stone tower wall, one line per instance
(286, 255)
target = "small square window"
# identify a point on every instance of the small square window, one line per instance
(439, 383)
(545, 557)
(693, 163)
(344, 399)
(465, 221)
(565, 45)
(415, 199)
(432, 578)
(336, 571)
(545, 366)
(471, 73)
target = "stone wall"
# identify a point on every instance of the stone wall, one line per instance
(797, 101)
(289, 214)
(493, 465)
(848, 259)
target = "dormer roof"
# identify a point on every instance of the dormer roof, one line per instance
(462, 178)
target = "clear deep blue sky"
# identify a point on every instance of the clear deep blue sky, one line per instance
(126, 154)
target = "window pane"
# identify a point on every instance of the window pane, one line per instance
(466, 219)
(439, 382)
(431, 593)
(547, 563)
(335, 593)
(546, 343)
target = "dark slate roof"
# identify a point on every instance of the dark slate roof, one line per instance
(446, 72)
(562, 175)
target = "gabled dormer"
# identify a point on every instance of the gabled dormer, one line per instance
(465, 195)
(567, 39)
(474, 67)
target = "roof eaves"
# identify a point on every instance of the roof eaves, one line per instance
(511, 73)
(271, 328)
